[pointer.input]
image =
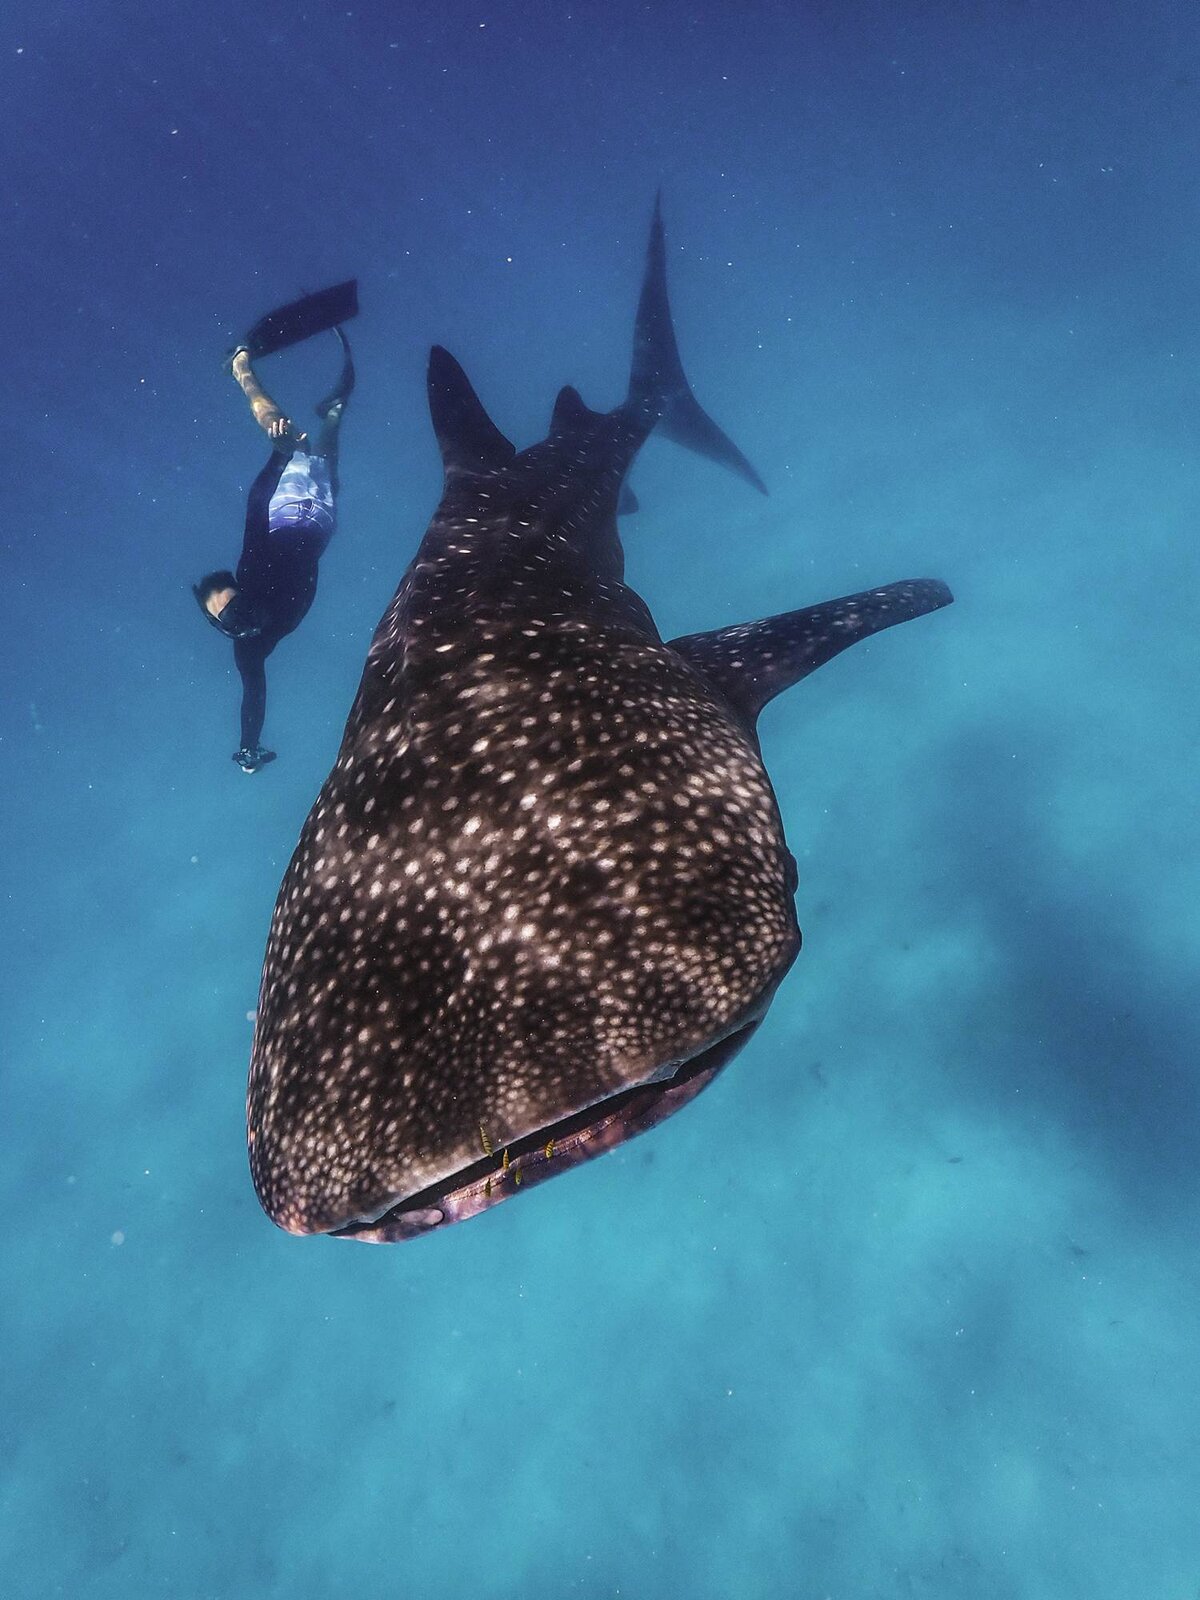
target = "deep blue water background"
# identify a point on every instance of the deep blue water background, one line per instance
(907, 1305)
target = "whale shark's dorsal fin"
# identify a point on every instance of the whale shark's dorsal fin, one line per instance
(753, 662)
(470, 441)
(658, 385)
(571, 413)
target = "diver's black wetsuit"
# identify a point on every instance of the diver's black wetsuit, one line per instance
(277, 575)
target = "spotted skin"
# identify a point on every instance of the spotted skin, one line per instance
(544, 894)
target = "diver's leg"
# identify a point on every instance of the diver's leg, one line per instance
(330, 409)
(328, 438)
(344, 387)
(266, 413)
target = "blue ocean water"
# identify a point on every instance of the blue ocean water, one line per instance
(906, 1304)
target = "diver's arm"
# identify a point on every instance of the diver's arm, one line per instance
(251, 660)
(267, 414)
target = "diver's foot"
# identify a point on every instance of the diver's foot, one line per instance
(250, 759)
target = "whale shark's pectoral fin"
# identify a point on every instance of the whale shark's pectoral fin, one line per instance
(470, 441)
(752, 663)
(628, 502)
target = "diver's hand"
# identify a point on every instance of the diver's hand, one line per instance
(252, 758)
(281, 432)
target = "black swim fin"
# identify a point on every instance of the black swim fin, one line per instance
(657, 385)
(301, 319)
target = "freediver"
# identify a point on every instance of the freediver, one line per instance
(290, 509)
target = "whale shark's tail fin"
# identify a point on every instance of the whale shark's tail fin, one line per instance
(658, 387)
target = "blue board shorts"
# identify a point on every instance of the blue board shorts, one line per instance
(302, 505)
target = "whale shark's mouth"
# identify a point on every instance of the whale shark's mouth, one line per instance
(551, 1150)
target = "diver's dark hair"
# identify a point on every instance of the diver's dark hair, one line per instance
(212, 582)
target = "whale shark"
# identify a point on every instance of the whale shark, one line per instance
(544, 895)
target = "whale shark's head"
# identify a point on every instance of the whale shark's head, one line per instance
(540, 901)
